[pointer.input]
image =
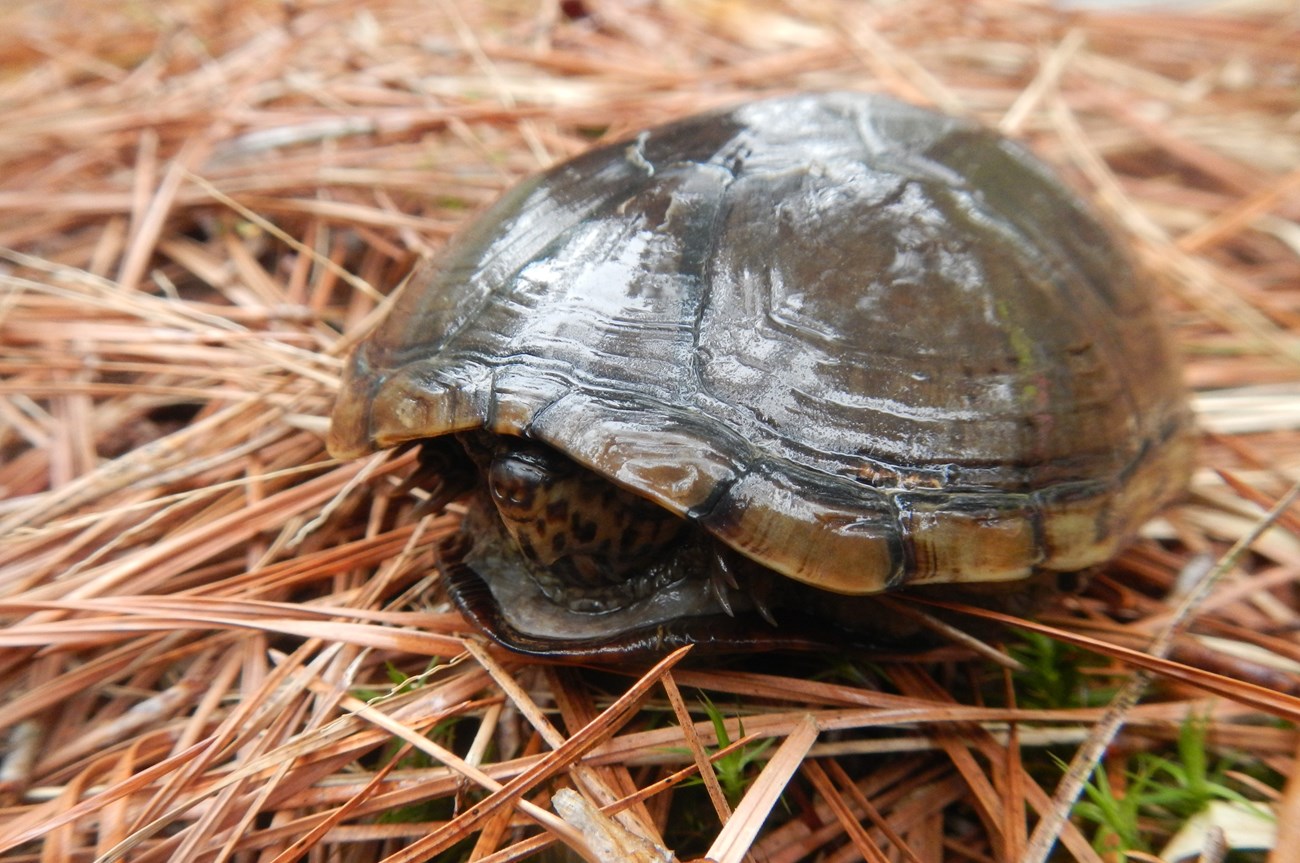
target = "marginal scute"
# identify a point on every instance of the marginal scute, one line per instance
(968, 537)
(672, 457)
(839, 537)
(349, 434)
(417, 402)
(1077, 525)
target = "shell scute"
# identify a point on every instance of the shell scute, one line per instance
(646, 447)
(842, 537)
(969, 537)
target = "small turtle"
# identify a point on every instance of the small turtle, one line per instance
(758, 365)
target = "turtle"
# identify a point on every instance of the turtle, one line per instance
(730, 380)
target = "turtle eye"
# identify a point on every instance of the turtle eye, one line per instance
(515, 484)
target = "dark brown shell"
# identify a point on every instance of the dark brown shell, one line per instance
(863, 344)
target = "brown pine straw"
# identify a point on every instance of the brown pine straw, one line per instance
(220, 644)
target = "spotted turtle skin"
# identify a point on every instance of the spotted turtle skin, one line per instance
(844, 342)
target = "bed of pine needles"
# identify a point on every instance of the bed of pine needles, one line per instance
(220, 644)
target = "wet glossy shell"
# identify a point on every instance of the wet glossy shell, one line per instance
(864, 344)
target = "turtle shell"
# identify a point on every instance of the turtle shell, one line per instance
(861, 343)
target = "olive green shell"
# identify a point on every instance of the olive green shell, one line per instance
(864, 344)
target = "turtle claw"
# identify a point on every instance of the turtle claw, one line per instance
(721, 582)
(763, 609)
